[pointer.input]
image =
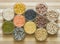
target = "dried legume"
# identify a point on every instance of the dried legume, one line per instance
(30, 14)
(19, 20)
(8, 14)
(41, 9)
(19, 8)
(7, 27)
(41, 21)
(41, 34)
(52, 15)
(52, 28)
(18, 34)
(30, 27)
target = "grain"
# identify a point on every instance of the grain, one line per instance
(41, 34)
(7, 27)
(30, 14)
(30, 27)
(19, 20)
(41, 9)
(19, 8)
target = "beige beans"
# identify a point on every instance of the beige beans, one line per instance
(52, 15)
(41, 34)
(30, 27)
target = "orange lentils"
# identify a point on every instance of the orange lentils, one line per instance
(19, 20)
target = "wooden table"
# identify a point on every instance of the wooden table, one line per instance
(29, 39)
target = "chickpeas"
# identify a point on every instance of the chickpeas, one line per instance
(41, 34)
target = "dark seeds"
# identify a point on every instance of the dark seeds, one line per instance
(30, 14)
(41, 21)
(18, 33)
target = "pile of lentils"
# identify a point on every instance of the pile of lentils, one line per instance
(20, 21)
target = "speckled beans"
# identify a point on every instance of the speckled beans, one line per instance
(41, 21)
(41, 9)
(18, 34)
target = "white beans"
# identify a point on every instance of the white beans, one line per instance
(8, 14)
(52, 28)
(52, 15)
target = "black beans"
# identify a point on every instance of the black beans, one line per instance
(30, 14)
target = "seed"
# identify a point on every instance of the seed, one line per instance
(8, 14)
(30, 27)
(19, 8)
(7, 27)
(41, 21)
(52, 28)
(52, 15)
(41, 9)
(30, 14)
(19, 20)
(41, 34)
(18, 34)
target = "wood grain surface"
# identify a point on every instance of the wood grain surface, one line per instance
(29, 39)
